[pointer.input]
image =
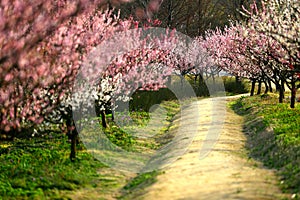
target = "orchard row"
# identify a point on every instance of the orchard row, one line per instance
(46, 46)
(264, 48)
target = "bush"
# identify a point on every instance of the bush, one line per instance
(233, 87)
(143, 100)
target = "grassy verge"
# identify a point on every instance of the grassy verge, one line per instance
(279, 146)
(39, 167)
(122, 137)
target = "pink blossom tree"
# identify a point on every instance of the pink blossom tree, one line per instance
(279, 20)
(43, 50)
(42, 46)
(228, 50)
(244, 50)
(29, 64)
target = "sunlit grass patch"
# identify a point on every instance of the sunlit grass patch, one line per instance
(279, 148)
(38, 168)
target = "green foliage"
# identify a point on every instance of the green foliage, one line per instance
(199, 86)
(279, 148)
(233, 87)
(172, 108)
(143, 100)
(38, 168)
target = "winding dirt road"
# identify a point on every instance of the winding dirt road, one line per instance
(225, 172)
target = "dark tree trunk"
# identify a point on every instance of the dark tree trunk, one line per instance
(252, 87)
(293, 96)
(73, 136)
(281, 91)
(277, 87)
(259, 87)
(203, 90)
(201, 80)
(266, 87)
(74, 140)
(270, 85)
(103, 119)
(237, 80)
(281, 95)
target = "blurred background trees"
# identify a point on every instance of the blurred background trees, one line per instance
(191, 17)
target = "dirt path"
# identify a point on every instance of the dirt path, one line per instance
(225, 173)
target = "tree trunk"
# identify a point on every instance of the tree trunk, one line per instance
(203, 90)
(237, 80)
(259, 87)
(277, 87)
(293, 96)
(267, 87)
(74, 140)
(195, 80)
(252, 87)
(281, 94)
(201, 80)
(103, 119)
(270, 85)
(281, 91)
(73, 135)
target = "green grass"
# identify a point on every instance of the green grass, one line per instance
(279, 148)
(136, 187)
(141, 118)
(120, 138)
(39, 167)
(143, 179)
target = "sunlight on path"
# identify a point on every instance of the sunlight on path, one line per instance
(225, 173)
